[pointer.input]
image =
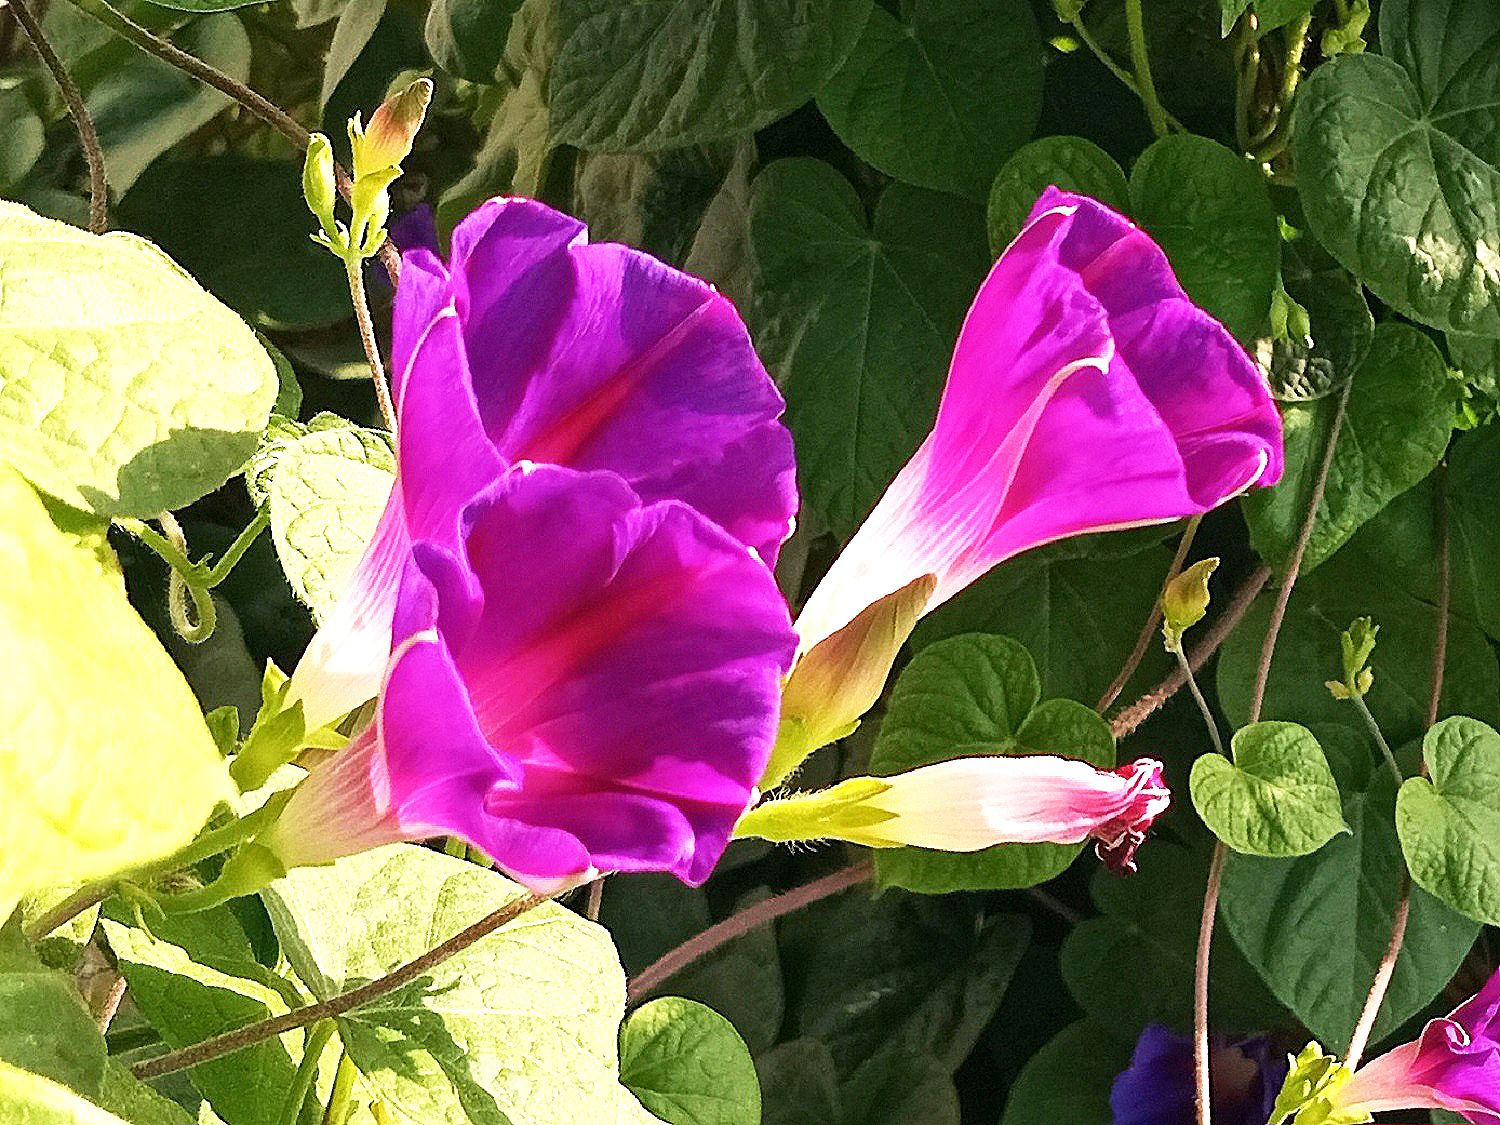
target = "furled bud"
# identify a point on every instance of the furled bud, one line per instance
(968, 804)
(1185, 601)
(387, 140)
(842, 676)
(317, 179)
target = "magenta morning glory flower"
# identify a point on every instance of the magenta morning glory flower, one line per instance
(581, 682)
(1454, 1064)
(1087, 393)
(532, 344)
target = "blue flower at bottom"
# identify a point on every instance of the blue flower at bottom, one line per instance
(1157, 1087)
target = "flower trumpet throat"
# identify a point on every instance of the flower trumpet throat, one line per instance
(967, 804)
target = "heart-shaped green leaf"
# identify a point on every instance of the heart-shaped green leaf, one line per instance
(687, 1065)
(974, 695)
(1278, 796)
(1450, 824)
(1398, 162)
(1069, 163)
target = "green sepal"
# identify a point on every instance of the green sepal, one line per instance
(278, 735)
(839, 813)
(1309, 1093)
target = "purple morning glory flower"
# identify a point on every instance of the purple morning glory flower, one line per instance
(1158, 1088)
(1454, 1064)
(1087, 393)
(581, 682)
(531, 344)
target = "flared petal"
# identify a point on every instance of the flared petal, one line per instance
(1086, 393)
(578, 350)
(643, 659)
(443, 461)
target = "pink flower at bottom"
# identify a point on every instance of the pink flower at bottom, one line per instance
(1454, 1064)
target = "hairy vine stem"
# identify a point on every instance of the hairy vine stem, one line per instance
(257, 103)
(354, 267)
(1129, 718)
(1148, 631)
(1140, 59)
(78, 110)
(254, 1033)
(1387, 967)
(1201, 1072)
(736, 925)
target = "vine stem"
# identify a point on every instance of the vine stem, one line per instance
(1148, 631)
(1096, 48)
(354, 267)
(255, 1033)
(211, 843)
(1201, 1071)
(1387, 967)
(272, 114)
(307, 1073)
(674, 961)
(78, 110)
(1141, 59)
(1129, 718)
(1197, 693)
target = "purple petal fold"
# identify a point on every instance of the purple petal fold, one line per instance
(587, 683)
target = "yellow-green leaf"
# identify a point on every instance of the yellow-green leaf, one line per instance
(105, 761)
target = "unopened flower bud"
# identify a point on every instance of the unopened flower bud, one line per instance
(1185, 601)
(387, 140)
(317, 179)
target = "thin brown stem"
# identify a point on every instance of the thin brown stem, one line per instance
(255, 1033)
(1387, 967)
(78, 110)
(84, 898)
(267, 110)
(595, 900)
(1257, 700)
(109, 1005)
(1294, 564)
(1129, 718)
(1383, 973)
(1153, 620)
(746, 920)
(1201, 1073)
(355, 269)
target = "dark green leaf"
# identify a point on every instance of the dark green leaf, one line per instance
(1210, 211)
(1398, 163)
(976, 695)
(45, 1027)
(241, 228)
(1304, 367)
(1397, 425)
(857, 323)
(665, 73)
(1283, 913)
(942, 95)
(1069, 1079)
(1069, 163)
(467, 37)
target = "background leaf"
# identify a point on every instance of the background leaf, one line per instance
(687, 1066)
(1069, 163)
(977, 695)
(1398, 167)
(856, 322)
(1282, 912)
(942, 94)
(661, 73)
